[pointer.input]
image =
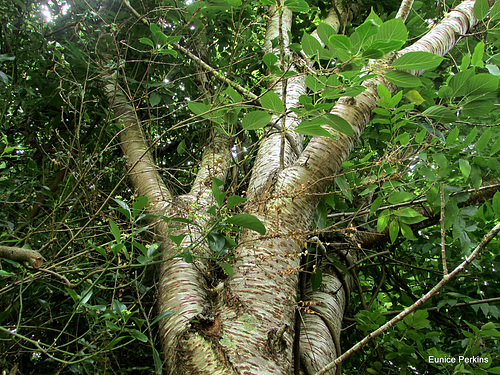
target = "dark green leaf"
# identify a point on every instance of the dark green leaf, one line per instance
(247, 221)
(234, 200)
(255, 120)
(393, 29)
(393, 230)
(340, 41)
(417, 60)
(483, 140)
(383, 220)
(115, 230)
(400, 197)
(216, 241)
(464, 167)
(177, 239)
(270, 59)
(495, 11)
(228, 268)
(477, 108)
(154, 99)
(216, 191)
(198, 108)
(316, 279)
(481, 8)
(136, 334)
(316, 83)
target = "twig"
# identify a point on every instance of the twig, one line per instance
(443, 233)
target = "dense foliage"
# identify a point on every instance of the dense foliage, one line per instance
(425, 169)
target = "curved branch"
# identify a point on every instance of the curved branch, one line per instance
(20, 255)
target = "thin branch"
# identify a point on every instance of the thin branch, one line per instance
(445, 280)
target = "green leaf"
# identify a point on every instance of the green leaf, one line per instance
(495, 204)
(316, 83)
(340, 41)
(136, 334)
(325, 31)
(115, 231)
(452, 136)
(154, 99)
(297, 5)
(272, 101)
(270, 59)
(181, 147)
(188, 257)
(139, 205)
(247, 221)
(338, 123)
(177, 239)
(495, 11)
(363, 35)
(125, 209)
(147, 41)
(400, 197)
(464, 167)
(310, 45)
(234, 200)
(393, 230)
(481, 84)
(383, 220)
(316, 279)
(216, 241)
(477, 56)
(255, 120)
(481, 8)
(216, 191)
(393, 29)
(477, 108)
(440, 113)
(198, 108)
(228, 268)
(496, 147)
(417, 60)
(407, 232)
(163, 315)
(313, 129)
(483, 140)
(386, 45)
(403, 79)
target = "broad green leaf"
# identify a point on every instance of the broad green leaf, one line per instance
(338, 123)
(316, 83)
(310, 45)
(464, 167)
(481, 8)
(440, 113)
(154, 99)
(386, 45)
(383, 220)
(325, 31)
(177, 239)
(147, 41)
(393, 230)
(363, 35)
(403, 79)
(400, 197)
(458, 82)
(125, 209)
(477, 56)
(477, 108)
(407, 232)
(255, 120)
(470, 137)
(421, 135)
(313, 129)
(154, 28)
(163, 315)
(233, 94)
(188, 257)
(270, 59)
(493, 69)
(297, 5)
(181, 147)
(417, 60)
(481, 84)
(234, 200)
(340, 41)
(139, 204)
(216, 241)
(372, 53)
(375, 205)
(247, 221)
(393, 29)
(272, 101)
(198, 108)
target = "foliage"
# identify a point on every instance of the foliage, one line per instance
(430, 147)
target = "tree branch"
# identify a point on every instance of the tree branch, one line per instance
(20, 255)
